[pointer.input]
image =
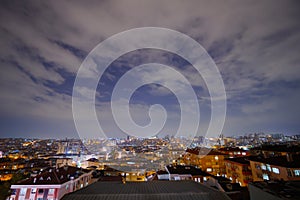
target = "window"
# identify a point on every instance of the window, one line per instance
(51, 191)
(275, 170)
(263, 167)
(33, 190)
(266, 177)
(297, 172)
(41, 191)
(23, 191)
(208, 169)
(289, 172)
(269, 168)
(13, 191)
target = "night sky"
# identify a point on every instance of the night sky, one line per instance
(255, 44)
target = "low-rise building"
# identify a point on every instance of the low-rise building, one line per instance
(238, 170)
(208, 160)
(51, 184)
(285, 168)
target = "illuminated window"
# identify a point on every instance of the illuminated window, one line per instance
(297, 172)
(208, 169)
(216, 158)
(275, 170)
(23, 191)
(263, 167)
(244, 153)
(269, 168)
(51, 191)
(266, 177)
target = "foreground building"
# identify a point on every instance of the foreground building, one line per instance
(52, 184)
(152, 190)
(274, 190)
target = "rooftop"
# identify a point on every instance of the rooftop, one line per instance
(204, 151)
(241, 160)
(232, 149)
(186, 169)
(279, 148)
(279, 161)
(163, 190)
(284, 190)
(54, 176)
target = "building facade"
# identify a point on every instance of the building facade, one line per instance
(210, 161)
(285, 168)
(52, 184)
(238, 170)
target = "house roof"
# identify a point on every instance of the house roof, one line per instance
(279, 161)
(204, 151)
(54, 176)
(232, 149)
(279, 148)
(152, 190)
(241, 160)
(186, 169)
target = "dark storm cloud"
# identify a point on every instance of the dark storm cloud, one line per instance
(255, 44)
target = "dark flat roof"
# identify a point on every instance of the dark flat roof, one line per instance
(279, 148)
(186, 169)
(165, 190)
(241, 160)
(204, 151)
(279, 161)
(285, 190)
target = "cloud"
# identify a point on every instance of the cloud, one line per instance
(255, 45)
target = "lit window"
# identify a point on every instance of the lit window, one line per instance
(216, 158)
(275, 170)
(23, 191)
(297, 172)
(269, 168)
(204, 179)
(243, 153)
(51, 191)
(208, 169)
(266, 177)
(263, 167)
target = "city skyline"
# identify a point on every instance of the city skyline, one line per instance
(254, 45)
